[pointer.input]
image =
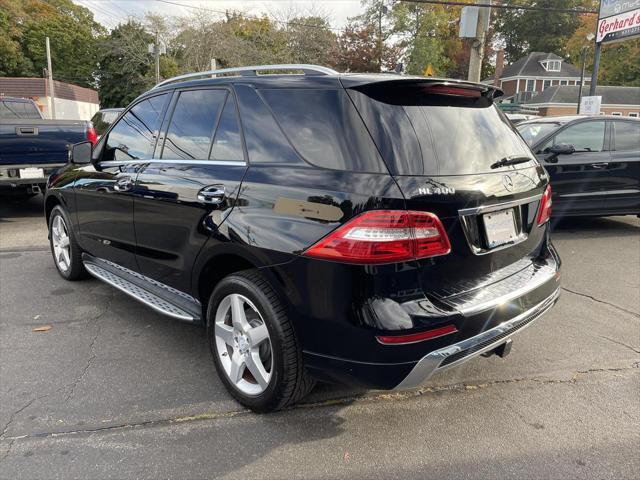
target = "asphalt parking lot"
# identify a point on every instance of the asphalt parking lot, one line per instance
(114, 390)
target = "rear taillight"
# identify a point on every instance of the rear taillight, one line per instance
(457, 91)
(92, 136)
(545, 206)
(417, 337)
(384, 236)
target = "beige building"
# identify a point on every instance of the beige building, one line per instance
(563, 100)
(71, 102)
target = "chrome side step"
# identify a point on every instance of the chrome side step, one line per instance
(138, 287)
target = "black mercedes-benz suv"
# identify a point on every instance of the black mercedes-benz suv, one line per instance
(366, 229)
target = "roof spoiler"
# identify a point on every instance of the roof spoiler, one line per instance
(440, 86)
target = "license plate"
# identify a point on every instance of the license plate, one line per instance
(31, 173)
(500, 227)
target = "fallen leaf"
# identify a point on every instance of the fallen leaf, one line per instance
(36, 317)
(347, 457)
(44, 328)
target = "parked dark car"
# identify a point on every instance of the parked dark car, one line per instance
(593, 162)
(366, 229)
(104, 118)
(31, 148)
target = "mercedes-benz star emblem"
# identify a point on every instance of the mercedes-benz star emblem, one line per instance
(507, 181)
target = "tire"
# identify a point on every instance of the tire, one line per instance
(279, 354)
(69, 265)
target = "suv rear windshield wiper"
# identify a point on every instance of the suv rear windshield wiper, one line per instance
(503, 162)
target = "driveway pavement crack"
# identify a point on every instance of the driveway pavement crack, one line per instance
(375, 397)
(631, 312)
(630, 347)
(92, 351)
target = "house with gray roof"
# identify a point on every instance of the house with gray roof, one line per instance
(533, 74)
(563, 100)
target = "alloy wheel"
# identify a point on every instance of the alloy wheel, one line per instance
(61, 246)
(243, 344)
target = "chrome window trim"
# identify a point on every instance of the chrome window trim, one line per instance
(116, 163)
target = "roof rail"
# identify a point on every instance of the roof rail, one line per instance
(253, 71)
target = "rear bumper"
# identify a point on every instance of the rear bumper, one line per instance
(465, 350)
(10, 175)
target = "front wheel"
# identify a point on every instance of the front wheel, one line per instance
(254, 347)
(66, 252)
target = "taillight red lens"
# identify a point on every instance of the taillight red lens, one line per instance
(384, 236)
(417, 337)
(458, 91)
(544, 213)
(92, 136)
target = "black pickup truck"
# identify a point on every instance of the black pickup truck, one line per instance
(31, 147)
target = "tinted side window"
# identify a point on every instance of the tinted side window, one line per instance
(627, 136)
(325, 128)
(192, 123)
(227, 144)
(264, 139)
(134, 136)
(585, 137)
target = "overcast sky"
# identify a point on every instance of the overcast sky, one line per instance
(112, 12)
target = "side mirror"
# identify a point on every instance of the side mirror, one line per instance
(81, 153)
(559, 149)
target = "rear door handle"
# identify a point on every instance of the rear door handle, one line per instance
(123, 184)
(599, 166)
(212, 194)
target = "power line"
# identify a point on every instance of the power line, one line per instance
(224, 12)
(503, 6)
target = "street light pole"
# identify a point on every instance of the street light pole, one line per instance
(584, 60)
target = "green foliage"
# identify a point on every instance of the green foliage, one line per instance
(72, 31)
(526, 31)
(125, 68)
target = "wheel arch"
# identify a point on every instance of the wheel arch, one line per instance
(212, 267)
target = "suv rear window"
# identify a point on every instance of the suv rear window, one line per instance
(26, 110)
(325, 129)
(426, 134)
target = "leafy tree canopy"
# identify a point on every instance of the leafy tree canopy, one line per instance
(72, 31)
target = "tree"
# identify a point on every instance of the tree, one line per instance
(619, 62)
(125, 67)
(72, 31)
(525, 31)
(310, 40)
(356, 49)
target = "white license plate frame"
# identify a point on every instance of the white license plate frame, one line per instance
(500, 227)
(31, 173)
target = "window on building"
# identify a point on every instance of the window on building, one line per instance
(564, 82)
(552, 65)
(546, 84)
(531, 86)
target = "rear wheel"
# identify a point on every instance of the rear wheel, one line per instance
(254, 347)
(66, 252)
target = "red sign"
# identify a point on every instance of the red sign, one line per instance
(618, 27)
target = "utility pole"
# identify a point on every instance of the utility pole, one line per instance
(214, 66)
(476, 55)
(157, 52)
(52, 90)
(594, 74)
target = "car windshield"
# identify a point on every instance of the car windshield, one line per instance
(532, 132)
